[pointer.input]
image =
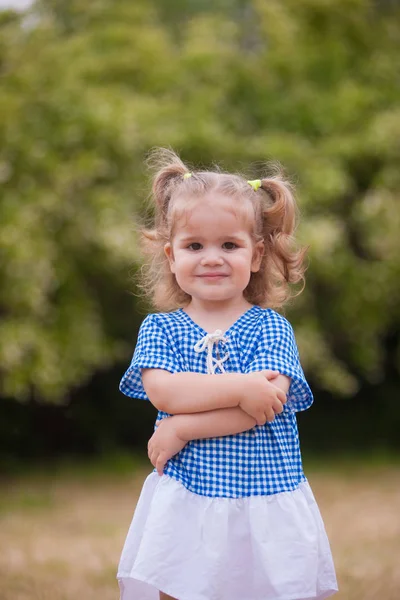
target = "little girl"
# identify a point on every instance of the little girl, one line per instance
(232, 516)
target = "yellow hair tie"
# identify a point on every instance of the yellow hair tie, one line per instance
(187, 175)
(255, 184)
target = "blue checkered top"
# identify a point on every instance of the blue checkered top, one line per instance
(264, 460)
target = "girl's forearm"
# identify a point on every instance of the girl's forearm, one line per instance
(213, 423)
(219, 422)
(177, 393)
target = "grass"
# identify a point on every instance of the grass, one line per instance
(61, 531)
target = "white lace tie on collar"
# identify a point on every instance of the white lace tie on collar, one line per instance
(207, 342)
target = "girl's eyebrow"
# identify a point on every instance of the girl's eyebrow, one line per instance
(234, 236)
(188, 238)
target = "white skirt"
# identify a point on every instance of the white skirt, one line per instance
(199, 548)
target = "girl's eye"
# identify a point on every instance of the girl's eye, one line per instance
(230, 245)
(194, 246)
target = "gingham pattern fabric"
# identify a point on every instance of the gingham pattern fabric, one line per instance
(264, 460)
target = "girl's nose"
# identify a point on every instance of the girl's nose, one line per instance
(212, 258)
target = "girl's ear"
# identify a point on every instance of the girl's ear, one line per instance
(170, 255)
(257, 257)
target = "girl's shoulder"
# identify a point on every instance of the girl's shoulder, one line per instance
(272, 315)
(162, 320)
(272, 320)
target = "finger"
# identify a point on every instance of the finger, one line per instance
(281, 396)
(150, 448)
(270, 374)
(278, 407)
(160, 464)
(153, 457)
(260, 419)
(270, 415)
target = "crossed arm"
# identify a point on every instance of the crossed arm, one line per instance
(209, 406)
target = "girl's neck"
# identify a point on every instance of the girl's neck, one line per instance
(212, 316)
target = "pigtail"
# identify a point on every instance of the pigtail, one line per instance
(282, 212)
(155, 280)
(286, 262)
(169, 172)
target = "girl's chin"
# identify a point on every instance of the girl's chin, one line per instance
(215, 297)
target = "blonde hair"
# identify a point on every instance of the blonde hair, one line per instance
(272, 209)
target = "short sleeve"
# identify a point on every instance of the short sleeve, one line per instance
(153, 350)
(277, 350)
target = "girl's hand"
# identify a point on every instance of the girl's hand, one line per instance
(164, 443)
(262, 400)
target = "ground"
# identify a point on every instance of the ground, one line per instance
(61, 533)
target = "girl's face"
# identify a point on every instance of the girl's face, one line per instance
(212, 253)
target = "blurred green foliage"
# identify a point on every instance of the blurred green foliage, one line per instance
(87, 89)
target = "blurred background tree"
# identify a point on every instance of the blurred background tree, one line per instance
(87, 90)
